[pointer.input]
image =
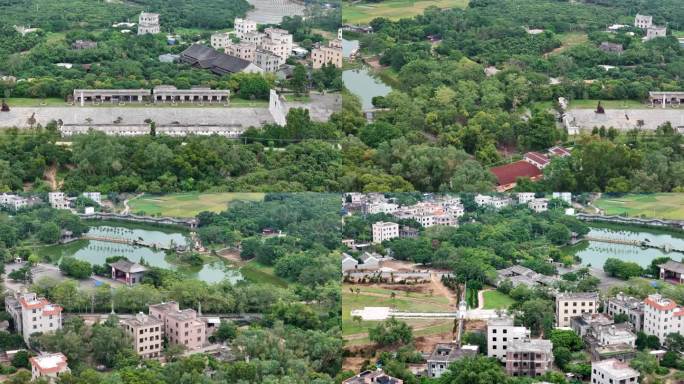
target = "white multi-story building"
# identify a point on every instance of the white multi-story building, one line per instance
(253, 38)
(374, 207)
(496, 202)
(501, 331)
(148, 23)
(266, 60)
(48, 366)
(571, 304)
(244, 26)
(643, 21)
(33, 314)
(243, 50)
(662, 316)
(58, 200)
(94, 196)
(539, 205)
(429, 214)
(278, 41)
(615, 335)
(384, 230)
(220, 40)
(525, 197)
(327, 54)
(565, 196)
(613, 371)
(13, 202)
(630, 306)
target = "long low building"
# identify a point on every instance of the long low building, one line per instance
(232, 131)
(664, 99)
(169, 93)
(82, 96)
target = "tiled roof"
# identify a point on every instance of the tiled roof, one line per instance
(509, 173)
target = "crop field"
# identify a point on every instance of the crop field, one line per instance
(188, 204)
(363, 12)
(657, 205)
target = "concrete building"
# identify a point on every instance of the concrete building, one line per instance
(97, 96)
(674, 98)
(643, 21)
(525, 197)
(169, 93)
(571, 304)
(83, 44)
(496, 202)
(148, 23)
(267, 60)
(407, 232)
(348, 263)
(565, 196)
(243, 27)
(539, 205)
(58, 200)
(654, 32)
(243, 50)
(146, 333)
(374, 207)
(327, 54)
(630, 306)
(373, 377)
(220, 40)
(13, 202)
(94, 196)
(609, 47)
(384, 230)
(48, 366)
(33, 314)
(662, 316)
(127, 272)
(529, 357)
(181, 327)
(446, 353)
(277, 41)
(537, 159)
(583, 324)
(613, 372)
(501, 331)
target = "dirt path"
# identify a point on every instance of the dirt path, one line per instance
(441, 289)
(480, 298)
(127, 209)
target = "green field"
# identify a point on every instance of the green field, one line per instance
(380, 297)
(363, 12)
(496, 300)
(609, 104)
(188, 204)
(257, 273)
(657, 205)
(571, 39)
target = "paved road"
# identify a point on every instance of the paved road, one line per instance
(383, 313)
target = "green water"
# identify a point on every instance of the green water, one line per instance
(96, 252)
(596, 253)
(362, 83)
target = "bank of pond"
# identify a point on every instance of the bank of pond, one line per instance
(119, 243)
(595, 253)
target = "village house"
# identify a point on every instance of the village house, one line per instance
(348, 263)
(83, 44)
(58, 200)
(565, 196)
(220, 40)
(384, 230)
(148, 23)
(525, 197)
(369, 261)
(181, 327)
(500, 331)
(146, 333)
(406, 232)
(571, 304)
(643, 21)
(327, 54)
(373, 377)
(630, 306)
(539, 205)
(518, 275)
(496, 202)
(446, 353)
(244, 26)
(48, 366)
(32, 314)
(94, 196)
(603, 338)
(654, 32)
(662, 316)
(613, 371)
(200, 56)
(13, 202)
(609, 47)
(242, 50)
(529, 357)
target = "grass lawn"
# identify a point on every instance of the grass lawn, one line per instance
(28, 102)
(257, 273)
(611, 104)
(496, 300)
(188, 204)
(657, 205)
(301, 99)
(374, 296)
(571, 39)
(363, 12)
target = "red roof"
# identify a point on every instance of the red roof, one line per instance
(509, 173)
(537, 157)
(559, 151)
(668, 304)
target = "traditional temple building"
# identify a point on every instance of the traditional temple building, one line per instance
(127, 272)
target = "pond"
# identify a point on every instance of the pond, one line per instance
(96, 252)
(362, 83)
(596, 253)
(349, 46)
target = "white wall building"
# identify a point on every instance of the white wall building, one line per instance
(220, 40)
(13, 202)
(500, 331)
(266, 60)
(565, 196)
(58, 200)
(384, 230)
(243, 50)
(643, 21)
(653, 32)
(612, 371)
(662, 316)
(539, 205)
(571, 304)
(48, 366)
(381, 207)
(148, 23)
(94, 196)
(244, 26)
(525, 197)
(33, 314)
